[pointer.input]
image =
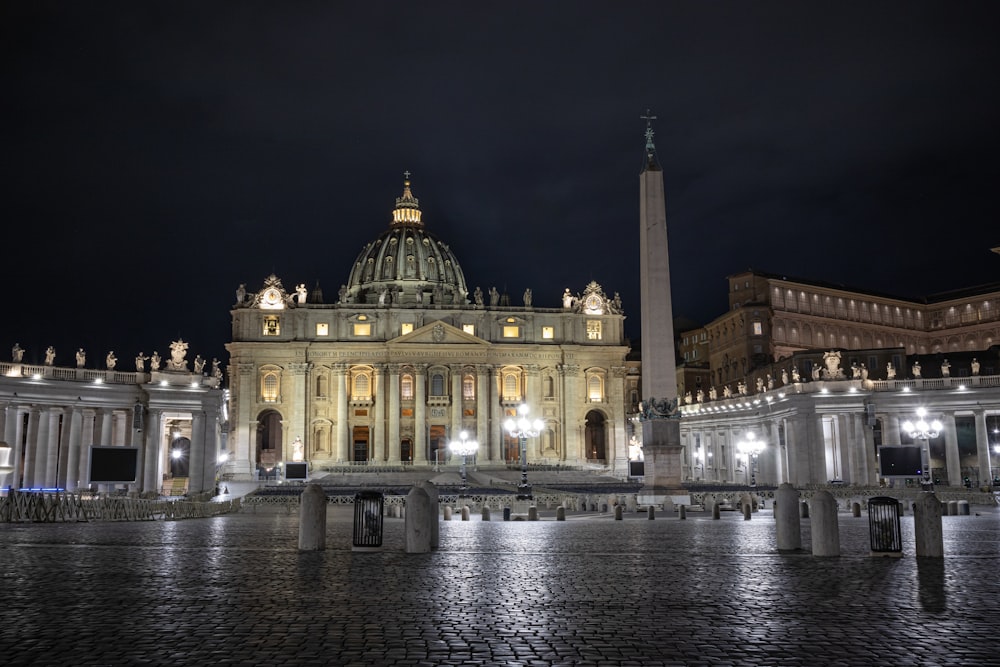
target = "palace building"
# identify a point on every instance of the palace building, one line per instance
(409, 357)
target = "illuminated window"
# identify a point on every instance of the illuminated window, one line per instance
(406, 387)
(469, 387)
(322, 329)
(405, 328)
(595, 388)
(593, 330)
(548, 332)
(362, 387)
(511, 331)
(511, 387)
(272, 326)
(362, 329)
(269, 383)
(469, 329)
(758, 329)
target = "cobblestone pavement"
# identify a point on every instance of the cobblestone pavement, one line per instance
(235, 590)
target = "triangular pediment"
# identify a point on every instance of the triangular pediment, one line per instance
(438, 333)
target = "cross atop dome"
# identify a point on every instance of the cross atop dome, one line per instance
(407, 210)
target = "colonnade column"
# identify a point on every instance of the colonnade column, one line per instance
(456, 404)
(393, 416)
(201, 459)
(48, 437)
(420, 414)
(533, 397)
(488, 447)
(496, 415)
(983, 450)
(890, 430)
(12, 433)
(341, 441)
(87, 439)
(151, 458)
(378, 425)
(951, 458)
(73, 456)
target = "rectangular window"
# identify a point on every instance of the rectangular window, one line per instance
(469, 329)
(405, 328)
(322, 329)
(272, 325)
(511, 331)
(363, 329)
(548, 333)
(593, 330)
(758, 329)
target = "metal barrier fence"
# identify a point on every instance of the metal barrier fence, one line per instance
(38, 507)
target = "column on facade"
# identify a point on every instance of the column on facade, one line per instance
(378, 426)
(50, 441)
(244, 451)
(456, 403)
(842, 447)
(34, 450)
(151, 475)
(983, 449)
(573, 413)
(615, 397)
(496, 414)
(74, 447)
(298, 420)
(201, 463)
(951, 457)
(770, 469)
(106, 424)
(862, 452)
(87, 419)
(342, 439)
(420, 414)
(533, 396)
(488, 448)
(393, 416)
(120, 429)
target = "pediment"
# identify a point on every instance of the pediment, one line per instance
(438, 333)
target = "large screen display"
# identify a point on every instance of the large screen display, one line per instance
(296, 470)
(900, 461)
(113, 465)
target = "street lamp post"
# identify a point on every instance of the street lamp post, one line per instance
(924, 431)
(522, 429)
(465, 448)
(751, 448)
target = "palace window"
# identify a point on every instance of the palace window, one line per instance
(510, 331)
(269, 384)
(548, 333)
(405, 328)
(593, 330)
(362, 329)
(758, 328)
(469, 329)
(362, 387)
(437, 384)
(272, 325)
(322, 329)
(511, 387)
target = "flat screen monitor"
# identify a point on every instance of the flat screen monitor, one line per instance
(636, 468)
(113, 465)
(900, 461)
(294, 471)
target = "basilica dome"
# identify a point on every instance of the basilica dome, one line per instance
(406, 264)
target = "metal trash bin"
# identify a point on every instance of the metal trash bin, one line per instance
(368, 507)
(883, 526)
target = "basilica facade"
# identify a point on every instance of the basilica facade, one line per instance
(408, 358)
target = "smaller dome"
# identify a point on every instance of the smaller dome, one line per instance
(406, 265)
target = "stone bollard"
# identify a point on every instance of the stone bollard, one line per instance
(312, 519)
(786, 518)
(618, 512)
(716, 512)
(604, 508)
(747, 511)
(434, 496)
(506, 514)
(824, 528)
(952, 508)
(963, 508)
(486, 513)
(927, 532)
(465, 512)
(632, 504)
(419, 518)
(650, 512)
(447, 512)
(533, 513)
(560, 513)
(682, 512)
(856, 509)
(804, 509)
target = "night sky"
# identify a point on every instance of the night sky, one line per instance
(156, 155)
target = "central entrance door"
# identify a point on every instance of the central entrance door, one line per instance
(360, 453)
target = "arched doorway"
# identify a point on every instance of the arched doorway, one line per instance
(180, 457)
(596, 437)
(268, 443)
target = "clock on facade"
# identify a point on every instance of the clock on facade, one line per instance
(271, 297)
(593, 304)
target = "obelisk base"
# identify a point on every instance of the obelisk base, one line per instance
(661, 448)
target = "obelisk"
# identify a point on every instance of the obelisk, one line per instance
(661, 438)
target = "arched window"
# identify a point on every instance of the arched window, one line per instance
(511, 390)
(548, 387)
(595, 388)
(406, 387)
(437, 384)
(362, 387)
(269, 384)
(469, 387)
